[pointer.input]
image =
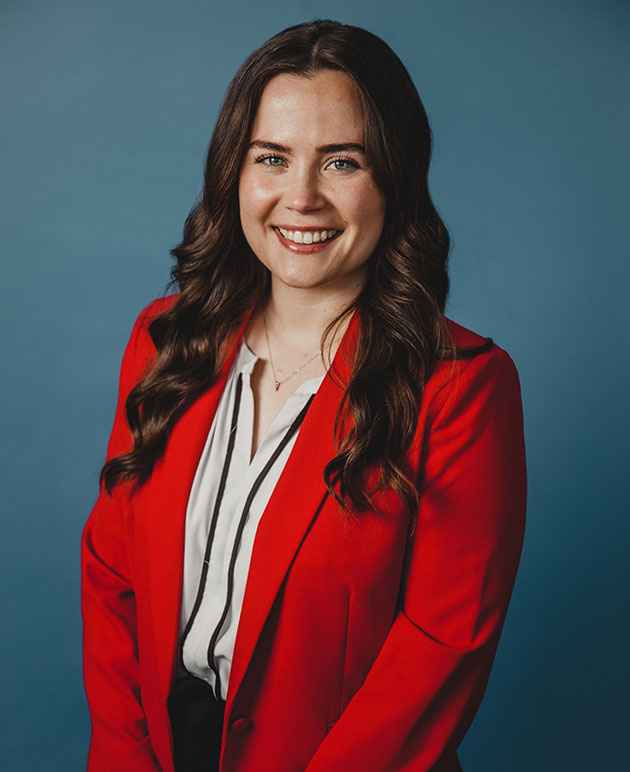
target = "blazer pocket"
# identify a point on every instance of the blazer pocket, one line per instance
(337, 703)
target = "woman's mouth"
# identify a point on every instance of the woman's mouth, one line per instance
(315, 246)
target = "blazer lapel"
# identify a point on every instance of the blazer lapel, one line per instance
(163, 503)
(295, 502)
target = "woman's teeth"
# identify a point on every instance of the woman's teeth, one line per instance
(308, 237)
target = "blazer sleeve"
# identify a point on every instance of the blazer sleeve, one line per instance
(119, 738)
(427, 681)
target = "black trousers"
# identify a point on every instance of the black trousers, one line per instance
(196, 721)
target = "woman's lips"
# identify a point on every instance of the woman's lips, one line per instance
(305, 248)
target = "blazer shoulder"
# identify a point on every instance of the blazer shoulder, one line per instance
(479, 360)
(149, 312)
(471, 344)
(141, 349)
(481, 380)
(468, 342)
(156, 307)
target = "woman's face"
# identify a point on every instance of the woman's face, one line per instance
(304, 185)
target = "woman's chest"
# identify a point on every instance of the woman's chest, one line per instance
(268, 402)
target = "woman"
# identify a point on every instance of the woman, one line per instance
(301, 555)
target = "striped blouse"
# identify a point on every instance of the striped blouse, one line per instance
(227, 499)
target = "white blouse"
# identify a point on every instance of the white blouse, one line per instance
(227, 499)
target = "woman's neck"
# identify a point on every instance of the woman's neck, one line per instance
(291, 339)
(297, 318)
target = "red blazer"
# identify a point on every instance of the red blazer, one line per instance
(360, 646)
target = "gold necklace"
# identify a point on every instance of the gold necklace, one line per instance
(278, 383)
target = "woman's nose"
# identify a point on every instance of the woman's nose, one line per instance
(304, 189)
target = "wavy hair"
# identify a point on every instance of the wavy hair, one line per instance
(403, 329)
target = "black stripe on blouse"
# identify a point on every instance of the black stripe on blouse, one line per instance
(215, 517)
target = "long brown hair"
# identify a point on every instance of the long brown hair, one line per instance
(401, 305)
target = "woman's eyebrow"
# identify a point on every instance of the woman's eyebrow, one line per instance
(334, 148)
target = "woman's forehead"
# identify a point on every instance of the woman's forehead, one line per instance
(299, 110)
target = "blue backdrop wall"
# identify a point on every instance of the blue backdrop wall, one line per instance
(107, 112)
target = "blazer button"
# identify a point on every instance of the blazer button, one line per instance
(241, 724)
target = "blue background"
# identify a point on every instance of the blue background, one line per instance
(107, 112)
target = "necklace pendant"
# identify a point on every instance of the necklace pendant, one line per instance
(277, 385)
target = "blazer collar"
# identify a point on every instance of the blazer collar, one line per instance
(160, 509)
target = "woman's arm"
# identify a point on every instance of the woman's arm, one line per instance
(428, 679)
(119, 738)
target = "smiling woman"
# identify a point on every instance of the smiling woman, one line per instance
(299, 558)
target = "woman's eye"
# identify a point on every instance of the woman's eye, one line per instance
(263, 158)
(352, 163)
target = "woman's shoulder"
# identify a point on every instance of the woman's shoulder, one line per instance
(141, 350)
(471, 344)
(480, 362)
(147, 314)
(480, 384)
(156, 306)
(468, 342)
